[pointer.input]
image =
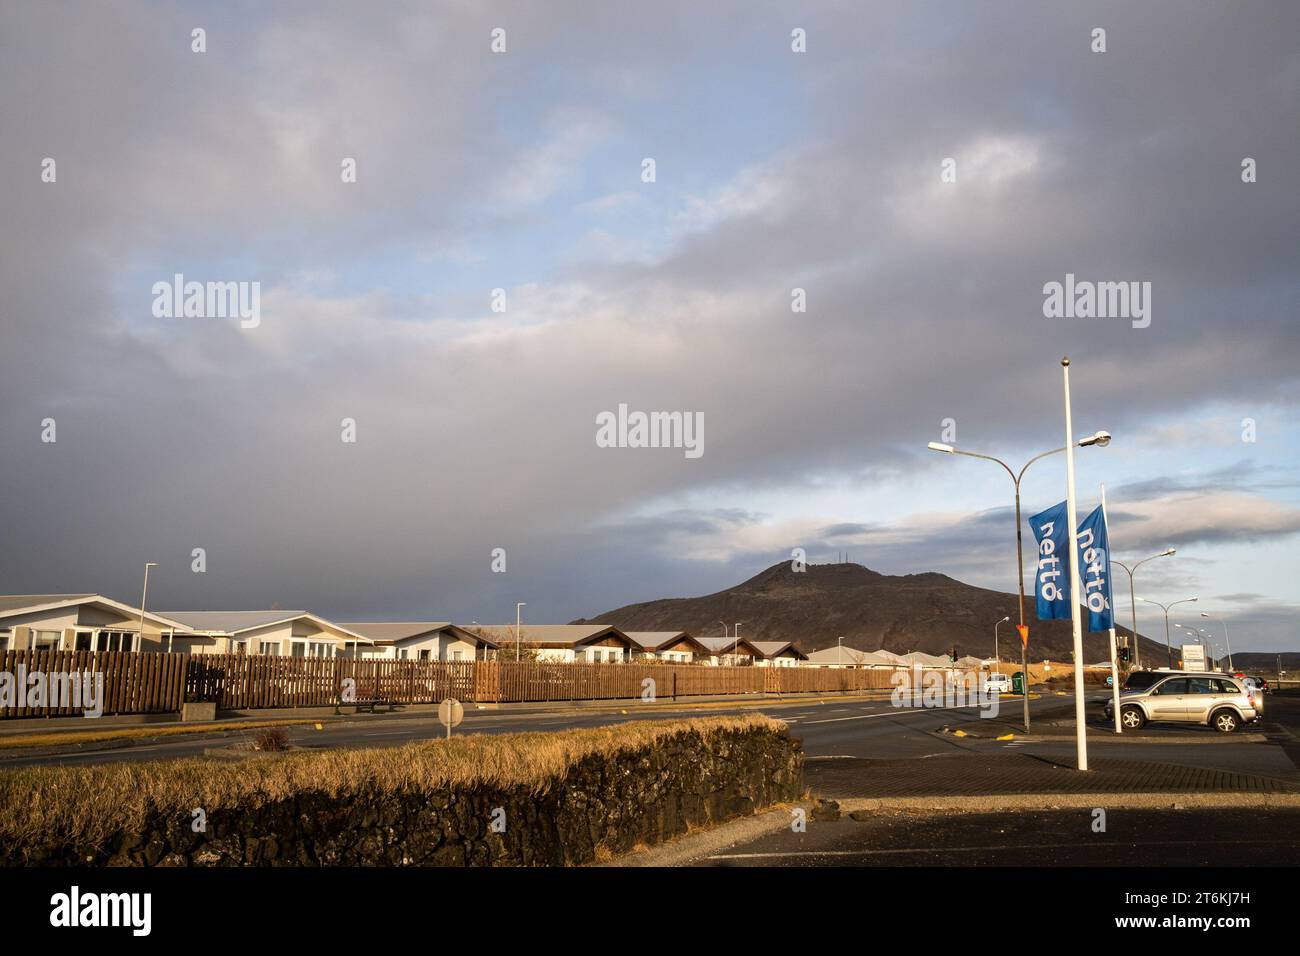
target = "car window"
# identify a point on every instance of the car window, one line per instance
(1227, 687)
(1140, 680)
(1177, 685)
(1201, 685)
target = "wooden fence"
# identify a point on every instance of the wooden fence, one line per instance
(139, 683)
(36, 683)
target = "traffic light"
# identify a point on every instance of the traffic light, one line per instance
(953, 654)
(1123, 654)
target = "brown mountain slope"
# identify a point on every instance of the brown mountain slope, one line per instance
(927, 612)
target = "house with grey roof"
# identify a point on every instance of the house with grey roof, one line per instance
(673, 647)
(79, 622)
(562, 643)
(273, 632)
(842, 656)
(420, 641)
(729, 652)
(778, 654)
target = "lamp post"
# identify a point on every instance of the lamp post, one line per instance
(1165, 607)
(1101, 440)
(518, 647)
(997, 661)
(1132, 602)
(1226, 643)
(139, 640)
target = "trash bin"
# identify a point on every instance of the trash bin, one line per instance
(1018, 682)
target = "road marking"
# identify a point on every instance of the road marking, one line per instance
(894, 713)
(833, 757)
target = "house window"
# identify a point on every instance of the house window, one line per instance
(4, 639)
(457, 655)
(403, 654)
(270, 648)
(85, 641)
(45, 640)
(298, 648)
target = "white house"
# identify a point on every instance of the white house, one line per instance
(841, 656)
(79, 622)
(671, 647)
(728, 652)
(420, 641)
(922, 659)
(778, 654)
(562, 643)
(270, 633)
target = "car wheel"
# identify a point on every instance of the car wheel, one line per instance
(1224, 721)
(1132, 718)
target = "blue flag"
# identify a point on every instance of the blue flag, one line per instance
(1094, 565)
(1052, 575)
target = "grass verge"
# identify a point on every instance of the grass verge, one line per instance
(86, 804)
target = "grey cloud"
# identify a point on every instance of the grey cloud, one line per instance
(922, 305)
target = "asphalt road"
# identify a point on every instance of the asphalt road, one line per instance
(830, 728)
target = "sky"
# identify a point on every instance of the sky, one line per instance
(523, 171)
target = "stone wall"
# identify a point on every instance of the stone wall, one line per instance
(605, 804)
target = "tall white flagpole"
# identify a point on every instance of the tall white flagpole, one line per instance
(1114, 656)
(1076, 592)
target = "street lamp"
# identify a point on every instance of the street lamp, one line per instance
(997, 661)
(139, 640)
(1101, 440)
(518, 649)
(1132, 603)
(1226, 642)
(1165, 607)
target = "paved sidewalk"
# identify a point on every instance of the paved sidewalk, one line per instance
(969, 774)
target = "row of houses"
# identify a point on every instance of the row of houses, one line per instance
(851, 657)
(93, 622)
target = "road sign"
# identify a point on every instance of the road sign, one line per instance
(1024, 633)
(451, 713)
(1193, 657)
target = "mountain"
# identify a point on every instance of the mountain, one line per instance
(927, 612)
(1264, 661)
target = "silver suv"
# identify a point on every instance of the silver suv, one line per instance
(1217, 700)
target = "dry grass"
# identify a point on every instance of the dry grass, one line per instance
(58, 738)
(271, 740)
(85, 804)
